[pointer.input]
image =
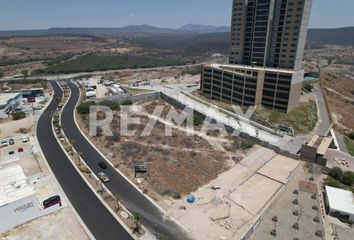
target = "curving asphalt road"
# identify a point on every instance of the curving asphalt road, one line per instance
(132, 199)
(94, 214)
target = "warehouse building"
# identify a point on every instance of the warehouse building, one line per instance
(18, 201)
(8, 102)
(340, 204)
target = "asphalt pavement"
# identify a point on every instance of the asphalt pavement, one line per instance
(132, 199)
(94, 214)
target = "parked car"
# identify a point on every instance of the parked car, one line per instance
(102, 165)
(20, 150)
(52, 201)
(4, 143)
(103, 177)
(38, 107)
(11, 152)
(11, 141)
(25, 139)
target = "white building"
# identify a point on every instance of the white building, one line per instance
(18, 201)
(340, 203)
(9, 101)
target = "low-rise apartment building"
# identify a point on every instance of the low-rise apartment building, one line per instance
(252, 86)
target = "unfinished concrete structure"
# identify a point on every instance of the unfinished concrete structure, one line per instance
(314, 151)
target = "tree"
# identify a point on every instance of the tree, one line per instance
(348, 178)
(336, 173)
(331, 182)
(1, 73)
(137, 221)
(18, 115)
(24, 72)
(351, 135)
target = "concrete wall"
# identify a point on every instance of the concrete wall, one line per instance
(230, 130)
(135, 98)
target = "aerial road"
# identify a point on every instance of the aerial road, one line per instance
(96, 217)
(132, 199)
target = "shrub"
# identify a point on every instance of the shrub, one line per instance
(308, 87)
(18, 115)
(336, 173)
(127, 103)
(246, 144)
(197, 119)
(111, 104)
(351, 135)
(331, 182)
(84, 108)
(348, 178)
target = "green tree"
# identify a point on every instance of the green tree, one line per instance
(348, 178)
(351, 135)
(137, 221)
(1, 73)
(84, 108)
(18, 115)
(331, 182)
(24, 72)
(336, 173)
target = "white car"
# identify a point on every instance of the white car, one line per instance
(103, 177)
(25, 139)
(4, 143)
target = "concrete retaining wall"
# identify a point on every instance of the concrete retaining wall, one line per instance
(144, 97)
(230, 130)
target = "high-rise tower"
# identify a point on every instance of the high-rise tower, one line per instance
(267, 46)
(269, 33)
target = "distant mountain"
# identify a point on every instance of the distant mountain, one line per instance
(86, 31)
(198, 28)
(335, 36)
(190, 28)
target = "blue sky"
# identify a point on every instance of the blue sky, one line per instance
(34, 14)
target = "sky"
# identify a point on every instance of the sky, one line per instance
(39, 14)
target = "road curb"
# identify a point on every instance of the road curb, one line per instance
(117, 170)
(52, 175)
(87, 182)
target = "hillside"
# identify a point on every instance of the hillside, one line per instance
(336, 36)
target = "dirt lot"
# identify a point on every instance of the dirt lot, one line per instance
(228, 206)
(59, 225)
(174, 163)
(337, 77)
(339, 92)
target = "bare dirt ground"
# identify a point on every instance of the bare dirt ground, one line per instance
(337, 77)
(340, 97)
(228, 206)
(177, 164)
(188, 75)
(59, 225)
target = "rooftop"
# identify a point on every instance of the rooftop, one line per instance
(321, 143)
(13, 184)
(5, 97)
(340, 200)
(221, 66)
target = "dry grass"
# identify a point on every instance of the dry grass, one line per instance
(177, 165)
